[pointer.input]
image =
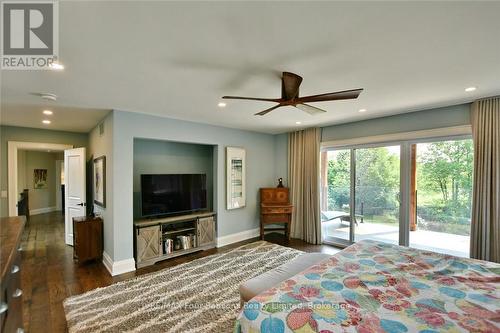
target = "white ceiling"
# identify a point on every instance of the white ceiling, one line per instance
(177, 59)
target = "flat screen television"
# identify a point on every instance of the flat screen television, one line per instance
(171, 194)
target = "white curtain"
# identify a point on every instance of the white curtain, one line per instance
(303, 164)
(485, 224)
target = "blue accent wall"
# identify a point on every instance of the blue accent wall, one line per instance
(168, 157)
(455, 115)
(261, 159)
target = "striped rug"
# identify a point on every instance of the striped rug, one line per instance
(198, 296)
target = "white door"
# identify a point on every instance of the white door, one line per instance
(75, 191)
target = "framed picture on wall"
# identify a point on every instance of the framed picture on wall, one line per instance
(40, 179)
(235, 177)
(99, 181)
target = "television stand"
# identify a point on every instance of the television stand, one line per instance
(168, 237)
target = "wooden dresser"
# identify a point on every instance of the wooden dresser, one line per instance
(87, 238)
(11, 310)
(275, 208)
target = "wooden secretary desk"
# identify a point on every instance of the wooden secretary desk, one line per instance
(275, 208)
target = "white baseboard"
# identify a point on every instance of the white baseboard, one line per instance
(42, 210)
(237, 237)
(118, 267)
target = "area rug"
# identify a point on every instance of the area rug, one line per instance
(198, 296)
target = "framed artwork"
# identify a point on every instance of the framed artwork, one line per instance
(235, 177)
(39, 179)
(100, 181)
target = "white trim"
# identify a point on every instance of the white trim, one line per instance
(42, 210)
(107, 262)
(237, 237)
(118, 267)
(401, 136)
(12, 148)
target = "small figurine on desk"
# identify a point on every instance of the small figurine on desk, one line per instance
(280, 182)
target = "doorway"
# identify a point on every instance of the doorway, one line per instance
(13, 148)
(39, 182)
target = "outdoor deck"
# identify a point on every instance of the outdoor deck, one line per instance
(456, 245)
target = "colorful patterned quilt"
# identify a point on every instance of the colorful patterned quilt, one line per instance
(377, 287)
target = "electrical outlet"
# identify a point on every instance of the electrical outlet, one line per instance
(4, 194)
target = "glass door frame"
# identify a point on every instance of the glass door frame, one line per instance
(404, 184)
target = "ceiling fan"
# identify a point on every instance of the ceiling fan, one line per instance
(290, 84)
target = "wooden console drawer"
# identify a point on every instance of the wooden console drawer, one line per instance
(275, 218)
(276, 210)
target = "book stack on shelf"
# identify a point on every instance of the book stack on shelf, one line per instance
(181, 242)
(187, 241)
(168, 245)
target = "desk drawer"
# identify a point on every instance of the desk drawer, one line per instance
(276, 210)
(275, 218)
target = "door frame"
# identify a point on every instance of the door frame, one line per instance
(59, 169)
(12, 148)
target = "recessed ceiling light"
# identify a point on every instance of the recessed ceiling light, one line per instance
(56, 66)
(221, 105)
(46, 122)
(469, 89)
(298, 123)
(48, 112)
(362, 110)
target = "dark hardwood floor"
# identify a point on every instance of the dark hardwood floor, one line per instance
(49, 274)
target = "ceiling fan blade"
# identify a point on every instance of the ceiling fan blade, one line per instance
(312, 110)
(346, 94)
(277, 100)
(290, 83)
(261, 113)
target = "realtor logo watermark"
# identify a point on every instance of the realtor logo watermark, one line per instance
(30, 34)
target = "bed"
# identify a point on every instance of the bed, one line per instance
(377, 287)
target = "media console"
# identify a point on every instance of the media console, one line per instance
(164, 238)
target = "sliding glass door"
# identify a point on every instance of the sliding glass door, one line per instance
(361, 194)
(366, 179)
(336, 196)
(377, 194)
(441, 216)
